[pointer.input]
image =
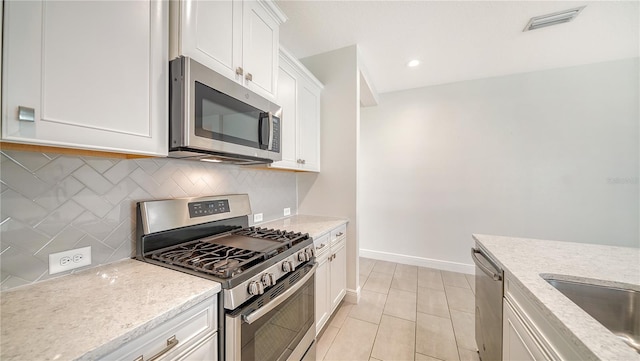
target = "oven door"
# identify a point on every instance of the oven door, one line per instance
(279, 325)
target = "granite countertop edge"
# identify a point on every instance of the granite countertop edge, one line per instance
(140, 296)
(588, 336)
(315, 226)
(141, 329)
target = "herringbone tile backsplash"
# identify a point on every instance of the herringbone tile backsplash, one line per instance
(51, 203)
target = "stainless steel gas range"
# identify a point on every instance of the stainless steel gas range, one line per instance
(267, 275)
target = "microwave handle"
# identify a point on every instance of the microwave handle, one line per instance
(265, 130)
(270, 146)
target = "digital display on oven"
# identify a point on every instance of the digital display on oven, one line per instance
(207, 208)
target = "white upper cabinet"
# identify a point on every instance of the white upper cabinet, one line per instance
(238, 39)
(210, 32)
(86, 74)
(299, 96)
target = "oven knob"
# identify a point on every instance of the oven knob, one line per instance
(268, 279)
(302, 256)
(309, 252)
(256, 288)
(287, 266)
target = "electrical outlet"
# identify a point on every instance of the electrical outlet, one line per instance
(68, 260)
(257, 217)
(287, 211)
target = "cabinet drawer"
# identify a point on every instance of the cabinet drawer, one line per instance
(555, 344)
(339, 233)
(519, 343)
(322, 245)
(188, 328)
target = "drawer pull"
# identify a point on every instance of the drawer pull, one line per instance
(339, 234)
(321, 246)
(171, 343)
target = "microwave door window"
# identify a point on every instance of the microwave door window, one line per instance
(223, 118)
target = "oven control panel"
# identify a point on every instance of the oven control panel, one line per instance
(207, 208)
(269, 277)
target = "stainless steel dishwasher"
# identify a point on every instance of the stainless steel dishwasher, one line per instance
(489, 291)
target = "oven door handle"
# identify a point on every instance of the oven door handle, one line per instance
(253, 316)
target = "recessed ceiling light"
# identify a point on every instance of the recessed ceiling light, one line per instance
(212, 160)
(413, 63)
(560, 17)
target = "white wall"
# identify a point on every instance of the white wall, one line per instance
(332, 192)
(550, 154)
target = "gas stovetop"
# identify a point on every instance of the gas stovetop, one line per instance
(227, 255)
(210, 237)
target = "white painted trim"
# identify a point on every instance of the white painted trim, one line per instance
(276, 13)
(419, 261)
(352, 296)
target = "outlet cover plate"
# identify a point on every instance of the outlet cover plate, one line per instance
(287, 211)
(68, 260)
(257, 217)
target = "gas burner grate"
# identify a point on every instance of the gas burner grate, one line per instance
(218, 260)
(272, 234)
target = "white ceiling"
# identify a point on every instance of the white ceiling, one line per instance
(459, 40)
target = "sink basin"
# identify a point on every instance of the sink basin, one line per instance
(615, 308)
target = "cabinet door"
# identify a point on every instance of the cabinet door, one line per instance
(94, 72)
(309, 127)
(259, 49)
(338, 273)
(288, 100)
(211, 34)
(518, 343)
(207, 350)
(322, 292)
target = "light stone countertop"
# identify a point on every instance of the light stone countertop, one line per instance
(525, 260)
(86, 315)
(316, 226)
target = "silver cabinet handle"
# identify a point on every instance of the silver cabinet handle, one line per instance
(339, 234)
(321, 246)
(255, 315)
(26, 114)
(249, 77)
(171, 343)
(239, 70)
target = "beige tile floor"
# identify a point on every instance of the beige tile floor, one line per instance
(405, 313)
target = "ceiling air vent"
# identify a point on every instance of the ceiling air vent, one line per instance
(560, 17)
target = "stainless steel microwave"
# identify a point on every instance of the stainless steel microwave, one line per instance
(214, 118)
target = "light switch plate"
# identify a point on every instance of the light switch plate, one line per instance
(287, 211)
(257, 217)
(68, 260)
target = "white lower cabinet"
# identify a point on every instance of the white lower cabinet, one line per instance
(518, 343)
(206, 350)
(323, 282)
(331, 274)
(527, 332)
(338, 260)
(191, 335)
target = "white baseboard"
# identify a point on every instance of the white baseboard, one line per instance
(419, 261)
(352, 296)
